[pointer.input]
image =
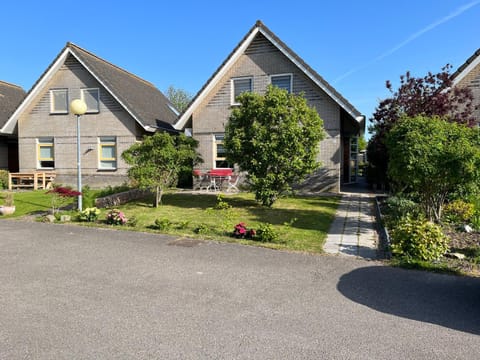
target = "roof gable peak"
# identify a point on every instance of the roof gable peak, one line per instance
(260, 27)
(73, 47)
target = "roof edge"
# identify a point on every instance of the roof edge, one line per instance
(290, 54)
(466, 67)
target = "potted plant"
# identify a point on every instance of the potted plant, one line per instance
(7, 208)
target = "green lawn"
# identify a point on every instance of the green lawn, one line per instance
(31, 202)
(302, 223)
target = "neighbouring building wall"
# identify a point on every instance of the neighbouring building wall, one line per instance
(111, 122)
(3, 153)
(472, 80)
(260, 61)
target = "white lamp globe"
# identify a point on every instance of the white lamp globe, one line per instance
(78, 107)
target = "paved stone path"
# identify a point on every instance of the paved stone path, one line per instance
(353, 232)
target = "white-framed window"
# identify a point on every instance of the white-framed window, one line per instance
(283, 81)
(45, 153)
(91, 96)
(107, 153)
(59, 101)
(220, 159)
(239, 86)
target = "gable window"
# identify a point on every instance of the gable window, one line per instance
(59, 101)
(239, 86)
(107, 153)
(45, 153)
(91, 96)
(220, 152)
(283, 81)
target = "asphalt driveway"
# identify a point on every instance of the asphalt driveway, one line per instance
(70, 292)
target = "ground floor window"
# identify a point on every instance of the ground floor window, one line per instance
(350, 159)
(220, 153)
(45, 153)
(107, 153)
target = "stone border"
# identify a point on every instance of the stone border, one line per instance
(382, 230)
(121, 198)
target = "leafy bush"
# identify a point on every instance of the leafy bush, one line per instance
(221, 204)
(163, 224)
(110, 190)
(116, 217)
(201, 229)
(266, 233)
(398, 207)
(182, 224)
(89, 214)
(60, 196)
(3, 179)
(458, 212)
(418, 239)
(88, 197)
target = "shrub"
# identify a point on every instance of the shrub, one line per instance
(221, 204)
(3, 179)
(458, 212)
(60, 196)
(88, 197)
(266, 233)
(116, 217)
(163, 224)
(201, 229)
(398, 207)
(418, 239)
(132, 222)
(89, 214)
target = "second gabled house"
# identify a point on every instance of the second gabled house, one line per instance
(122, 108)
(10, 97)
(468, 75)
(260, 59)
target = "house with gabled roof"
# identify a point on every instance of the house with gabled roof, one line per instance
(260, 59)
(468, 75)
(121, 109)
(11, 96)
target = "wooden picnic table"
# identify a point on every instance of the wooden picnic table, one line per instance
(31, 180)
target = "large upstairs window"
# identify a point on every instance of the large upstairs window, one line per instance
(59, 101)
(283, 81)
(239, 86)
(91, 96)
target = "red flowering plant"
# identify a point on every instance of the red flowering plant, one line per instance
(60, 196)
(240, 231)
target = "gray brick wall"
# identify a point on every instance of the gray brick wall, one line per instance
(472, 80)
(111, 120)
(260, 61)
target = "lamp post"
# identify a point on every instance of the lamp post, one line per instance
(78, 108)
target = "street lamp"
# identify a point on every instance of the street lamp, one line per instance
(78, 108)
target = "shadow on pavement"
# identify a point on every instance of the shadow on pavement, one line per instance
(449, 301)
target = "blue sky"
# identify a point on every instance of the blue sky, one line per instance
(355, 45)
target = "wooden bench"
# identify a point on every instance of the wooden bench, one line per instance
(31, 180)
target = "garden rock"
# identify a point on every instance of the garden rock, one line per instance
(455, 256)
(65, 218)
(50, 218)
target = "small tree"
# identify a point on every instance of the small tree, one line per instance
(431, 158)
(274, 137)
(178, 97)
(431, 95)
(157, 161)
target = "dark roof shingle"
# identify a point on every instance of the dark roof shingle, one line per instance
(10, 97)
(141, 97)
